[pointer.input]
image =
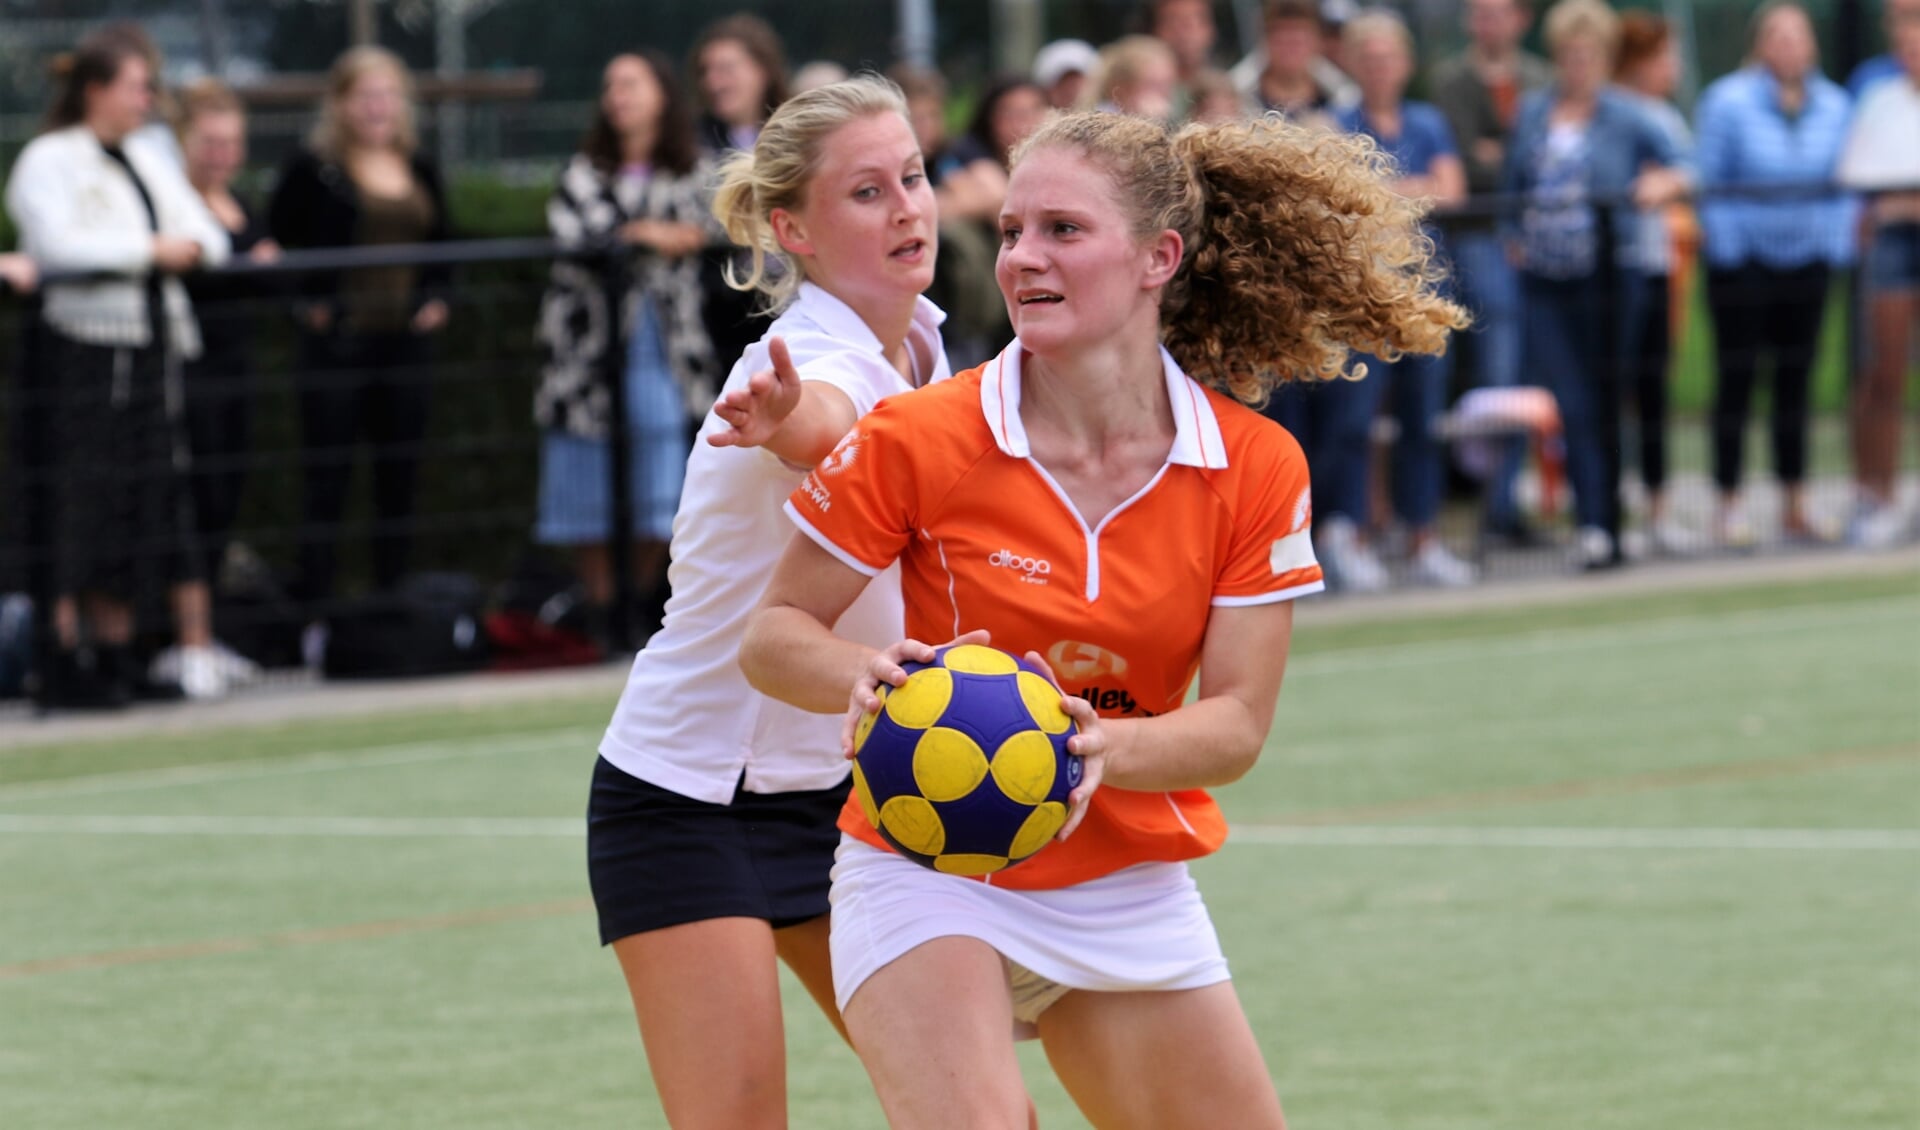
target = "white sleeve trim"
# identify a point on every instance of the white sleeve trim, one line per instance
(821, 540)
(1296, 591)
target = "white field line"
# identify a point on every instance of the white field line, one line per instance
(413, 753)
(1548, 642)
(1602, 839)
(324, 827)
(1248, 835)
(1754, 622)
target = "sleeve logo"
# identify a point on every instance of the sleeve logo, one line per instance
(843, 454)
(816, 493)
(1295, 551)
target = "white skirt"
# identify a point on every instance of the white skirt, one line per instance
(1143, 928)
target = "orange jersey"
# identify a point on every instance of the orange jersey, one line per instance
(943, 481)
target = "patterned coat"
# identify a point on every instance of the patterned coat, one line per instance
(587, 209)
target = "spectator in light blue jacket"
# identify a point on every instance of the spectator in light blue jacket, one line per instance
(1580, 146)
(1779, 123)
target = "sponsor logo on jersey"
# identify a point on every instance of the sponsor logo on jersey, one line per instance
(1113, 700)
(818, 494)
(1033, 570)
(1076, 662)
(843, 454)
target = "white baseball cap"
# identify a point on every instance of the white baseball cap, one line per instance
(1063, 57)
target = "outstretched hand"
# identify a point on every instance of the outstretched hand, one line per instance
(754, 414)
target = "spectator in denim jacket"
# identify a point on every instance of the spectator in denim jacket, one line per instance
(1480, 90)
(1581, 146)
(1775, 122)
(1333, 421)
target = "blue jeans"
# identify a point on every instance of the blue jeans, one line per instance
(1416, 389)
(1569, 343)
(1331, 420)
(1490, 287)
(576, 473)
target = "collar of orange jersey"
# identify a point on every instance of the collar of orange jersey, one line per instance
(1196, 430)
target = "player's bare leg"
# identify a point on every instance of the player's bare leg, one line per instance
(1148, 1060)
(804, 949)
(935, 1031)
(707, 995)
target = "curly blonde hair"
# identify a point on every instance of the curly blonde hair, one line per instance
(1297, 250)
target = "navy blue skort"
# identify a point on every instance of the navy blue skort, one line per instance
(657, 859)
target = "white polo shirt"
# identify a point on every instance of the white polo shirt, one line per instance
(1883, 144)
(687, 720)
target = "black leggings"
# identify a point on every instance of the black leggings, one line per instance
(376, 386)
(1650, 347)
(219, 423)
(1759, 310)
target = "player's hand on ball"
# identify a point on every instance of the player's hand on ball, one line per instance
(754, 413)
(1090, 745)
(885, 667)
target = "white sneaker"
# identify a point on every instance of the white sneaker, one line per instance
(1593, 548)
(1434, 565)
(1877, 526)
(1354, 567)
(201, 676)
(1735, 530)
(1674, 540)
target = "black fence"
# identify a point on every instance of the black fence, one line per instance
(368, 494)
(373, 477)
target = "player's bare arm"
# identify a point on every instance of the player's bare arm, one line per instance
(790, 653)
(1216, 739)
(795, 419)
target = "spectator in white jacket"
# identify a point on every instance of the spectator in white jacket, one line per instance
(84, 201)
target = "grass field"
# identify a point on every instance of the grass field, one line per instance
(1643, 863)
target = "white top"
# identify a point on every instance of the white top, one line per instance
(688, 721)
(77, 210)
(1883, 144)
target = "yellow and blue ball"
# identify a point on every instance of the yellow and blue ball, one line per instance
(965, 768)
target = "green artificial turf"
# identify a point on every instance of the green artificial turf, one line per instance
(1488, 875)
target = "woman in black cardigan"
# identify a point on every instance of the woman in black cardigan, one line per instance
(365, 340)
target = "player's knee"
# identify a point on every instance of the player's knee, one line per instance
(751, 1101)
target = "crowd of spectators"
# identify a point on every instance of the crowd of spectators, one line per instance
(1572, 199)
